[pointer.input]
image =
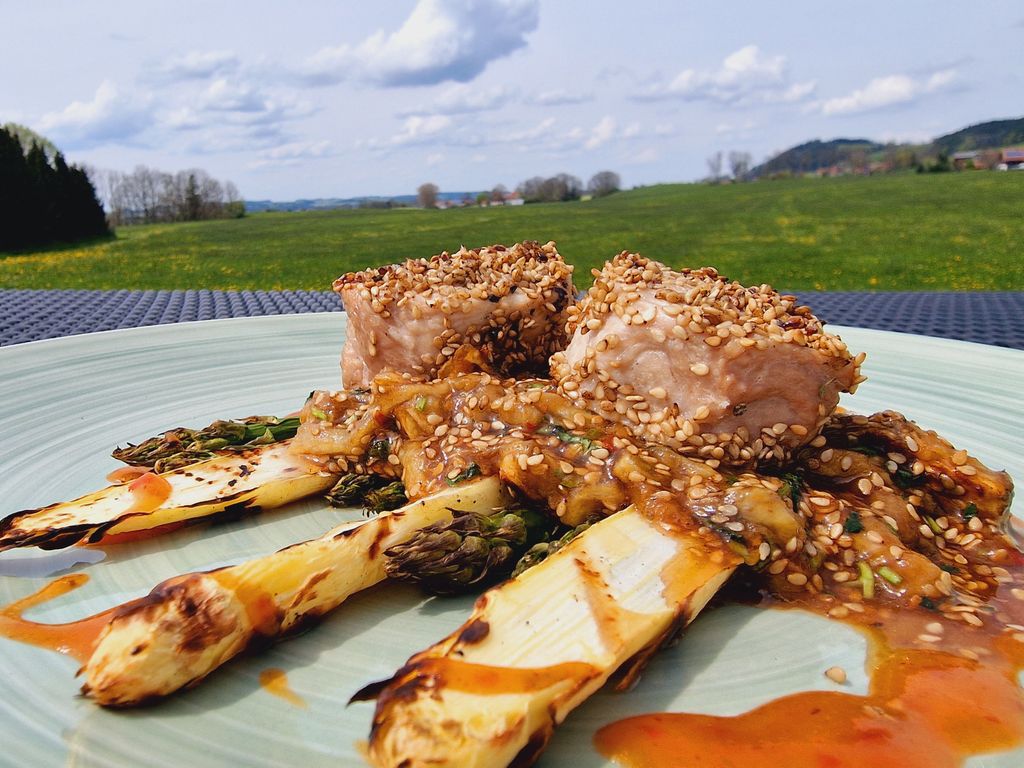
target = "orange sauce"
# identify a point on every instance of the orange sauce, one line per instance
(77, 639)
(260, 606)
(466, 676)
(275, 682)
(123, 475)
(129, 537)
(149, 492)
(926, 708)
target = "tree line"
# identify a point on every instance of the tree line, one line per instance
(148, 196)
(559, 188)
(564, 186)
(43, 200)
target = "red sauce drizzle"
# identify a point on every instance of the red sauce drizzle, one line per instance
(77, 639)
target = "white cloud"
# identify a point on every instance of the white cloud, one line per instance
(601, 133)
(441, 40)
(292, 153)
(434, 158)
(558, 98)
(745, 76)
(242, 103)
(417, 129)
(888, 91)
(198, 65)
(233, 115)
(110, 117)
(182, 119)
(225, 96)
(462, 99)
(526, 135)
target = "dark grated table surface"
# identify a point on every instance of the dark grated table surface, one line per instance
(988, 318)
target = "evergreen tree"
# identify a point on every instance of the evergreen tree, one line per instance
(43, 199)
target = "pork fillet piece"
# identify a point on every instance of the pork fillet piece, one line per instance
(509, 302)
(702, 364)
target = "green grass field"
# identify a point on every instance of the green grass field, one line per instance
(916, 232)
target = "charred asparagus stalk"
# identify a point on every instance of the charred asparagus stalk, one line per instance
(470, 551)
(535, 647)
(262, 477)
(375, 493)
(189, 625)
(180, 447)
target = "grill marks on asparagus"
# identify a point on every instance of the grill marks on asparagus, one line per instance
(260, 477)
(190, 625)
(553, 636)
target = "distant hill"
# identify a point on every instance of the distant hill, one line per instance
(990, 135)
(331, 203)
(814, 155)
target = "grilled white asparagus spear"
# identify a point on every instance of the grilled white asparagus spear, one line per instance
(537, 646)
(189, 625)
(262, 477)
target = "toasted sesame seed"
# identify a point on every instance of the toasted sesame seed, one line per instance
(836, 674)
(700, 369)
(796, 579)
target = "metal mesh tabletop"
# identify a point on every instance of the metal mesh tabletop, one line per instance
(989, 318)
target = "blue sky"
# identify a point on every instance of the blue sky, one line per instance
(334, 99)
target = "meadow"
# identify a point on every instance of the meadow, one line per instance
(960, 231)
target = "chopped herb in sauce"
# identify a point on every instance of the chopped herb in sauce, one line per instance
(469, 472)
(890, 575)
(867, 580)
(586, 443)
(853, 523)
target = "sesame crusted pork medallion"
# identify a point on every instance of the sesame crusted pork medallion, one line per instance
(507, 301)
(702, 364)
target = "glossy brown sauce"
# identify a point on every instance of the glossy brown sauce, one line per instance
(76, 639)
(275, 682)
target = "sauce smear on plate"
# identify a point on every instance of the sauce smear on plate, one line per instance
(76, 639)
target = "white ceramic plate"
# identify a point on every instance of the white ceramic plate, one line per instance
(65, 403)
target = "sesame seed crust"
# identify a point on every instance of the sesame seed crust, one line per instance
(507, 301)
(688, 358)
